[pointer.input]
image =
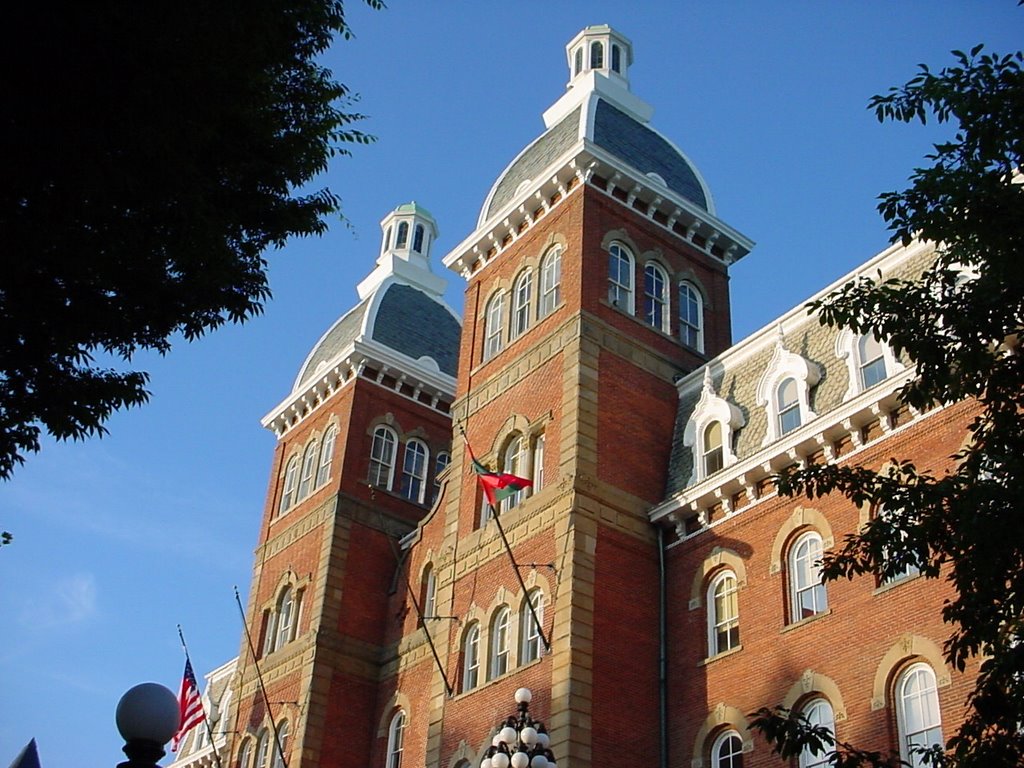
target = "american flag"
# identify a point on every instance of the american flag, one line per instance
(190, 706)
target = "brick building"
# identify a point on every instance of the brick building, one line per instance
(655, 586)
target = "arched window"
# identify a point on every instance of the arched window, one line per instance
(428, 595)
(291, 480)
(396, 739)
(262, 750)
(522, 297)
(870, 360)
(382, 458)
(414, 471)
(538, 462)
(901, 565)
(578, 59)
(387, 238)
(616, 58)
(712, 448)
(471, 657)
(494, 325)
(286, 615)
(440, 464)
(691, 316)
(308, 468)
(788, 402)
(323, 472)
(403, 235)
(807, 593)
(620, 278)
(727, 751)
(550, 282)
(282, 738)
(245, 755)
(818, 713)
(514, 462)
(656, 297)
(723, 614)
(529, 629)
(596, 55)
(917, 711)
(499, 645)
(417, 239)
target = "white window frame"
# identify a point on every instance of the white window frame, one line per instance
(245, 754)
(787, 406)
(711, 408)
(620, 294)
(691, 315)
(382, 462)
(656, 300)
(291, 483)
(494, 325)
(499, 645)
(731, 759)
(280, 741)
(530, 647)
(323, 470)
(712, 457)
(513, 461)
(550, 282)
(308, 471)
(522, 300)
(429, 606)
(262, 753)
(804, 570)
(396, 740)
(471, 657)
(786, 365)
(928, 711)
(597, 55)
(818, 713)
(402, 236)
(848, 347)
(414, 477)
(284, 624)
(538, 462)
(720, 618)
(441, 462)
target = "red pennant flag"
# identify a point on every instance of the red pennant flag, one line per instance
(498, 485)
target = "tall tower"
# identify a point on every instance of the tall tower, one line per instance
(597, 275)
(361, 438)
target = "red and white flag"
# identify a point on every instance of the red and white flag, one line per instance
(190, 706)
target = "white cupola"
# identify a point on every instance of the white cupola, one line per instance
(409, 233)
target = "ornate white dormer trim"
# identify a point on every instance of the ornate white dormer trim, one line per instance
(850, 349)
(786, 365)
(710, 409)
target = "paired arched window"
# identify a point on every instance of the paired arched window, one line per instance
(918, 718)
(818, 713)
(723, 613)
(403, 235)
(522, 298)
(471, 657)
(282, 739)
(656, 297)
(414, 471)
(382, 457)
(787, 400)
(428, 593)
(807, 592)
(529, 629)
(494, 324)
(291, 481)
(713, 456)
(308, 469)
(691, 316)
(396, 740)
(323, 472)
(499, 642)
(514, 462)
(727, 751)
(620, 278)
(283, 620)
(550, 282)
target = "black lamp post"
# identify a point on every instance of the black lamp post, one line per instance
(522, 742)
(147, 717)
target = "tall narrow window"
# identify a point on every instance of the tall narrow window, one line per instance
(807, 592)
(291, 480)
(471, 658)
(788, 400)
(871, 361)
(616, 58)
(514, 463)
(486, 513)
(403, 235)
(285, 617)
(414, 471)
(713, 455)
(262, 750)
(529, 633)
(818, 713)
(902, 568)
(245, 755)
(382, 458)
(691, 317)
(550, 282)
(428, 599)
(727, 751)
(655, 297)
(723, 614)
(522, 297)
(917, 712)
(417, 239)
(387, 238)
(596, 55)
(323, 472)
(282, 739)
(499, 644)
(440, 464)
(494, 325)
(538, 463)
(308, 468)
(620, 278)
(396, 740)
(578, 61)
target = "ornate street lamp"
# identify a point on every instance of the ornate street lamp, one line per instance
(521, 742)
(147, 717)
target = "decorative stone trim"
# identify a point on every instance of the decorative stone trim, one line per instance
(908, 647)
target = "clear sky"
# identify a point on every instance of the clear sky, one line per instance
(120, 539)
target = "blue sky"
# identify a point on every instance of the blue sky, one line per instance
(120, 539)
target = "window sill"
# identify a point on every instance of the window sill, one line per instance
(663, 334)
(722, 655)
(803, 622)
(898, 582)
(494, 680)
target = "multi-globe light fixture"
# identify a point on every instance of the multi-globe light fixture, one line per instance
(521, 742)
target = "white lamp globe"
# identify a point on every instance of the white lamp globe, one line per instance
(539, 761)
(528, 736)
(486, 763)
(500, 760)
(524, 696)
(147, 712)
(520, 760)
(543, 740)
(508, 735)
(496, 740)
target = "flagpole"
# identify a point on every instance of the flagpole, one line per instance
(206, 719)
(259, 678)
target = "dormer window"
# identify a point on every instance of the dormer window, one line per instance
(872, 363)
(868, 361)
(597, 55)
(417, 239)
(785, 391)
(709, 431)
(789, 406)
(616, 59)
(403, 235)
(713, 448)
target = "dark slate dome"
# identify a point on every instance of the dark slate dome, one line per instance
(416, 325)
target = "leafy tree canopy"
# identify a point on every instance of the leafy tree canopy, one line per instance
(960, 322)
(153, 152)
